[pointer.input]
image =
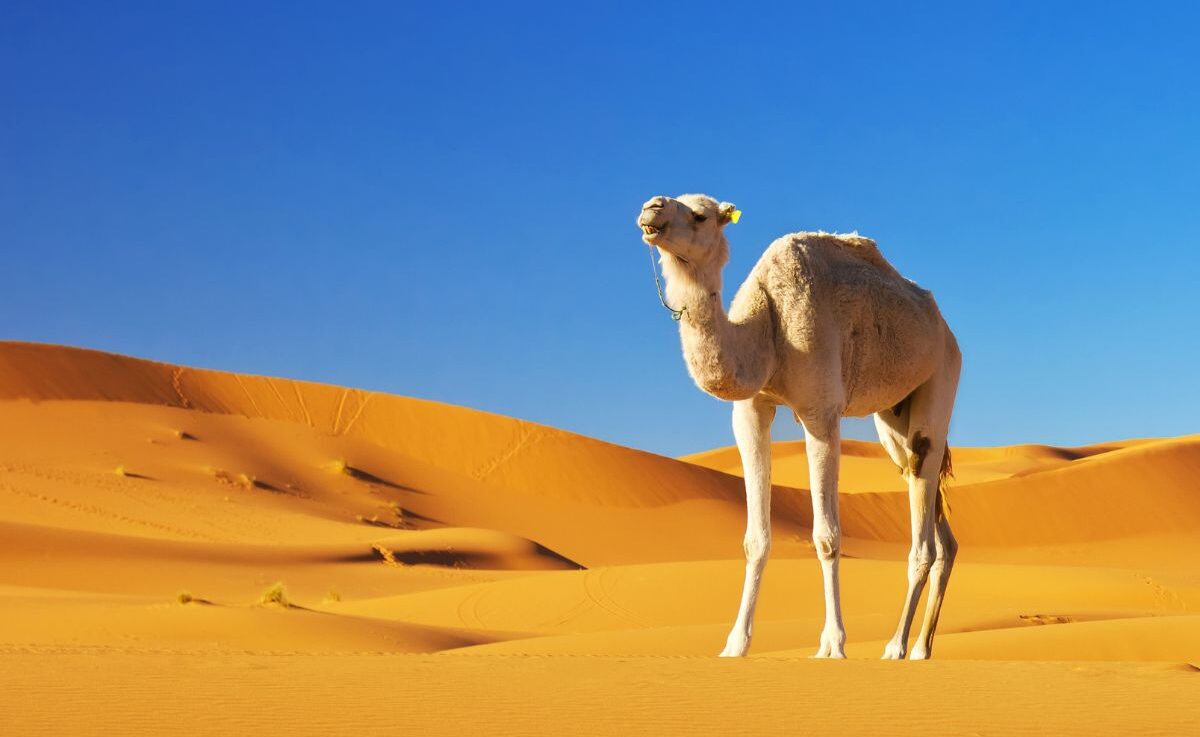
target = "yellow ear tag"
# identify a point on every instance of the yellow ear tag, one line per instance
(736, 216)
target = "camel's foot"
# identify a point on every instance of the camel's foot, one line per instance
(737, 645)
(833, 645)
(894, 650)
(919, 652)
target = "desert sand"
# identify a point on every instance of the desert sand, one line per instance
(200, 552)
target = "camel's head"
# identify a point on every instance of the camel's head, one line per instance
(689, 226)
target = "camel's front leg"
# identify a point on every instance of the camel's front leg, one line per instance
(752, 429)
(823, 443)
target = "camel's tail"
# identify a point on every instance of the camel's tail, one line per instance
(944, 475)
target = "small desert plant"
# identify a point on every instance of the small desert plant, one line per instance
(184, 597)
(340, 466)
(120, 470)
(333, 597)
(236, 480)
(388, 556)
(275, 595)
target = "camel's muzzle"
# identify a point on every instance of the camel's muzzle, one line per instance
(652, 223)
(653, 219)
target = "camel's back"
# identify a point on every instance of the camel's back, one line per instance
(841, 301)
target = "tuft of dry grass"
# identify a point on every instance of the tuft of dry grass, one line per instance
(120, 471)
(340, 466)
(184, 597)
(389, 557)
(244, 481)
(332, 597)
(401, 521)
(275, 595)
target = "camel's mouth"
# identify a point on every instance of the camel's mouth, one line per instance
(652, 233)
(653, 221)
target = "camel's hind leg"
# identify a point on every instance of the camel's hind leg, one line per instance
(939, 576)
(916, 440)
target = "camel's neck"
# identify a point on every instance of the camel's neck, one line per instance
(730, 359)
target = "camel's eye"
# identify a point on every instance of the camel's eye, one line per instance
(699, 216)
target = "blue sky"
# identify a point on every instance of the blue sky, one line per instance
(438, 200)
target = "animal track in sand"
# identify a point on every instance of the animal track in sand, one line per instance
(1046, 618)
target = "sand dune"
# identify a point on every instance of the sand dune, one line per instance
(145, 509)
(867, 467)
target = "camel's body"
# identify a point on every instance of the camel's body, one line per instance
(830, 309)
(827, 327)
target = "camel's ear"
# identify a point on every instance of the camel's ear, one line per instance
(729, 212)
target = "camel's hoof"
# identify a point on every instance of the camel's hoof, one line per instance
(832, 646)
(894, 651)
(918, 653)
(735, 647)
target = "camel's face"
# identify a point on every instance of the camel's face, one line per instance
(688, 226)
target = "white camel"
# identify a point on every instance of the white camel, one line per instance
(826, 326)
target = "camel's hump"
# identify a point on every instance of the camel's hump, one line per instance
(860, 247)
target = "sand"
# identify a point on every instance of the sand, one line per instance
(445, 570)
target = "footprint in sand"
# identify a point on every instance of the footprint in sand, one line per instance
(1046, 618)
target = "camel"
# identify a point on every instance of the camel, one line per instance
(827, 327)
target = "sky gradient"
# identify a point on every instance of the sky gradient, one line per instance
(438, 200)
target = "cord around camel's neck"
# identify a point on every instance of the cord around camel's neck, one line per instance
(729, 359)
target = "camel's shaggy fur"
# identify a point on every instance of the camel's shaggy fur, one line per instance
(827, 327)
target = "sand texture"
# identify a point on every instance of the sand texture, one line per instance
(200, 552)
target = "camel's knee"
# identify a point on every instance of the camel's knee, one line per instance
(942, 565)
(921, 559)
(828, 545)
(947, 551)
(758, 548)
(947, 545)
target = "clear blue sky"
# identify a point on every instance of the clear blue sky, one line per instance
(438, 200)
